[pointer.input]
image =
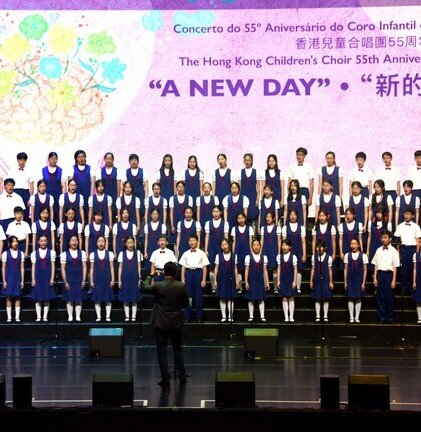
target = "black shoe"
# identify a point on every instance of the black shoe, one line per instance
(183, 380)
(164, 383)
(199, 320)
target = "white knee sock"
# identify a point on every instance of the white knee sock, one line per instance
(38, 309)
(240, 280)
(291, 308)
(357, 310)
(251, 309)
(78, 310)
(212, 280)
(126, 310)
(46, 309)
(317, 306)
(223, 307)
(275, 282)
(69, 307)
(17, 312)
(262, 309)
(325, 309)
(419, 312)
(230, 308)
(108, 310)
(134, 310)
(351, 309)
(299, 280)
(285, 308)
(9, 313)
(98, 310)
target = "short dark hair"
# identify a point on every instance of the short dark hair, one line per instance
(320, 243)
(170, 269)
(417, 153)
(18, 209)
(9, 180)
(301, 150)
(194, 236)
(409, 183)
(22, 155)
(361, 155)
(387, 153)
(133, 156)
(387, 232)
(410, 210)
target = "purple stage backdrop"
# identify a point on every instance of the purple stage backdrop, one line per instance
(203, 77)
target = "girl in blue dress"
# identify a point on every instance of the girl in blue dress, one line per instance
(268, 204)
(44, 227)
(355, 275)
(222, 178)
(287, 273)
(83, 177)
(41, 200)
(153, 230)
(330, 202)
(156, 202)
(122, 230)
(256, 280)
(242, 236)
(216, 230)
(139, 180)
(101, 277)
(74, 200)
(380, 198)
(178, 203)
(205, 204)
(297, 202)
(273, 177)
(360, 204)
(99, 201)
(226, 280)
(324, 231)
(129, 278)
(131, 203)
(166, 177)
(68, 229)
(73, 272)
(111, 179)
(185, 229)
(250, 187)
(417, 281)
(348, 230)
(43, 268)
(321, 281)
(13, 277)
(296, 234)
(52, 175)
(235, 203)
(270, 236)
(94, 231)
(193, 179)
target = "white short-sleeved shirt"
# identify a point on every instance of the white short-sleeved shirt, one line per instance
(124, 225)
(303, 200)
(242, 229)
(386, 259)
(265, 228)
(357, 199)
(350, 227)
(73, 254)
(379, 198)
(100, 198)
(327, 198)
(363, 175)
(216, 224)
(156, 202)
(355, 256)
(130, 255)
(194, 260)
(7, 204)
(294, 227)
(70, 225)
(42, 254)
(98, 173)
(101, 255)
(157, 174)
(154, 226)
(160, 257)
(330, 170)
(257, 258)
(18, 229)
(15, 254)
(260, 174)
(285, 258)
(72, 198)
(407, 200)
(42, 199)
(227, 257)
(222, 172)
(374, 225)
(267, 202)
(207, 199)
(414, 257)
(119, 201)
(409, 233)
(134, 174)
(88, 230)
(246, 201)
(22, 177)
(323, 229)
(40, 176)
(43, 226)
(187, 198)
(188, 224)
(329, 263)
(414, 174)
(2, 234)
(390, 177)
(303, 173)
(192, 173)
(272, 174)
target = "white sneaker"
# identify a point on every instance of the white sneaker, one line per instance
(351, 320)
(251, 319)
(98, 319)
(17, 319)
(45, 319)
(230, 320)
(357, 321)
(70, 319)
(419, 321)
(263, 319)
(223, 320)
(298, 291)
(286, 319)
(133, 319)
(317, 319)
(38, 320)
(325, 319)
(108, 319)
(78, 319)
(291, 320)
(9, 320)
(127, 319)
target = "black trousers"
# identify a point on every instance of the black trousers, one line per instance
(162, 336)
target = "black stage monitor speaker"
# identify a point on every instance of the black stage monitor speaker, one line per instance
(106, 342)
(260, 342)
(2, 391)
(112, 390)
(369, 392)
(22, 391)
(329, 392)
(235, 390)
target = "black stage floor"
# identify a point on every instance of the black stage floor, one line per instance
(62, 376)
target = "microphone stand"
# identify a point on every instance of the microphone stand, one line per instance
(231, 304)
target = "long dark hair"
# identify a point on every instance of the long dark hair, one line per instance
(163, 164)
